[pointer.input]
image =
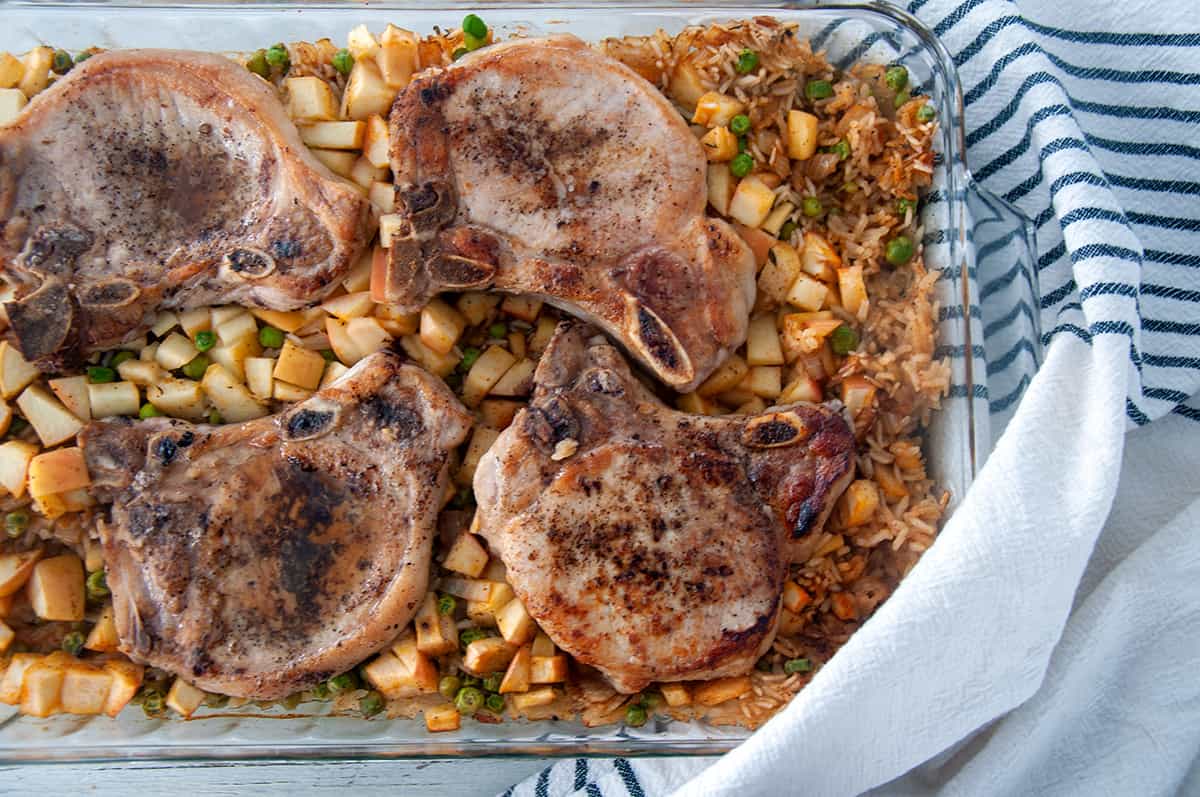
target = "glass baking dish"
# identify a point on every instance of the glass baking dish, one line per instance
(966, 232)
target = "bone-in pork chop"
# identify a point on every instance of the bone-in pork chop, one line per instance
(152, 179)
(542, 167)
(648, 543)
(259, 559)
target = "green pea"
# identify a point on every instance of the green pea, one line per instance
(740, 124)
(370, 704)
(926, 113)
(459, 53)
(470, 355)
(468, 700)
(498, 329)
(786, 231)
(15, 523)
(346, 682)
(62, 62)
(475, 26)
(491, 683)
(747, 62)
(818, 89)
(742, 164)
(447, 604)
(73, 643)
(270, 337)
(328, 355)
(122, 356)
(153, 702)
(899, 250)
(896, 77)
(343, 61)
(905, 205)
(100, 374)
(205, 340)
(97, 585)
(494, 703)
(195, 367)
(797, 665)
(843, 339)
(635, 716)
(470, 680)
(320, 691)
(812, 207)
(277, 56)
(469, 635)
(148, 410)
(257, 64)
(449, 685)
(842, 149)
(214, 417)
(902, 98)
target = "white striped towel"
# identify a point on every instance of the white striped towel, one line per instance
(1080, 673)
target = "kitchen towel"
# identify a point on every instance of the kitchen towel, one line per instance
(1027, 652)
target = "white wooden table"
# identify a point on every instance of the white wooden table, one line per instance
(429, 778)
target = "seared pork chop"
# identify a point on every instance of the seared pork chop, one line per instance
(259, 559)
(648, 543)
(159, 179)
(540, 166)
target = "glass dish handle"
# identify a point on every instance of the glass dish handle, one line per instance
(1009, 322)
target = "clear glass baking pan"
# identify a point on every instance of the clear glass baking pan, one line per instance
(967, 233)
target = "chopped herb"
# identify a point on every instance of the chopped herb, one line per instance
(148, 411)
(468, 700)
(905, 205)
(73, 643)
(896, 77)
(469, 635)
(15, 523)
(491, 683)
(152, 702)
(214, 417)
(343, 61)
(818, 89)
(494, 703)
(902, 98)
(842, 149)
(370, 704)
(843, 339)
(797, 665)
(270, 337)
(278, 58)
(257, 64)
(926, 113)
(447, 604)
(747, 62)
(459, 53)
(100, 374)
(742, 164)
(97, 585)
(83, 56)
(345, 682)
(205, 340)
(328, 355)
(449, 685)
(122, 356)
(320, 691)
(475, 26)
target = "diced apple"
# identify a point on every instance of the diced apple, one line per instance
(103, 636)
(696, 404)
(498, 413)
(548, 669)
(472, 589)
(764, 380)
(441, 326)
(676, 695)
(712, 693)
(543, 645)
(58, 471)
(762, 342)
(235, 329)
(85, 689)
(515, 624)
(16, 569)
(728, 374)
(442, 718)
(310, 99)
(138, 372)
(375, 141)
(333, 135)
(184, 698)
(720, 145)
(686, 86)
(436, 632)
(542, 334)
(179, 398)
(10, 686)
(714, 109)
(485, 373)
(484, 612)
(366, 174)
(808, 293)
(109, 399)
(517, 676)
(481, 440)
(333, 371)
(53, 422)
(36, 75)
(127, 679)
(487, 655)
(55, 588)
(801, 135)
(778, 216)
(752, 201)
(196, 320)
(15, 371)
(11, 70)
(467, 556)
(41, 686)
(229, 396)
(721, 186)
(259, 377)
(15, 456)
(397, 56)
(819, 258)
(525, 308)
(164, 322)
(7, 635)
(288, 321)
(437, 364)
(517, 380)
(542, 696)
(300, 367)
(802, 388)
(176, 350)
(366, 92)
(382, 196)
(477, 307)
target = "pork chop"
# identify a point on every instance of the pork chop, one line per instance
(259, 559)
(160, 179)
(649, 543)
(540, 166)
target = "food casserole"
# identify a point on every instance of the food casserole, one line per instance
(958, 436)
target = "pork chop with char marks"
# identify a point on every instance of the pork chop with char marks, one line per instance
(259, 559)
(649, 543)
(156, 179)
(540, 166)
